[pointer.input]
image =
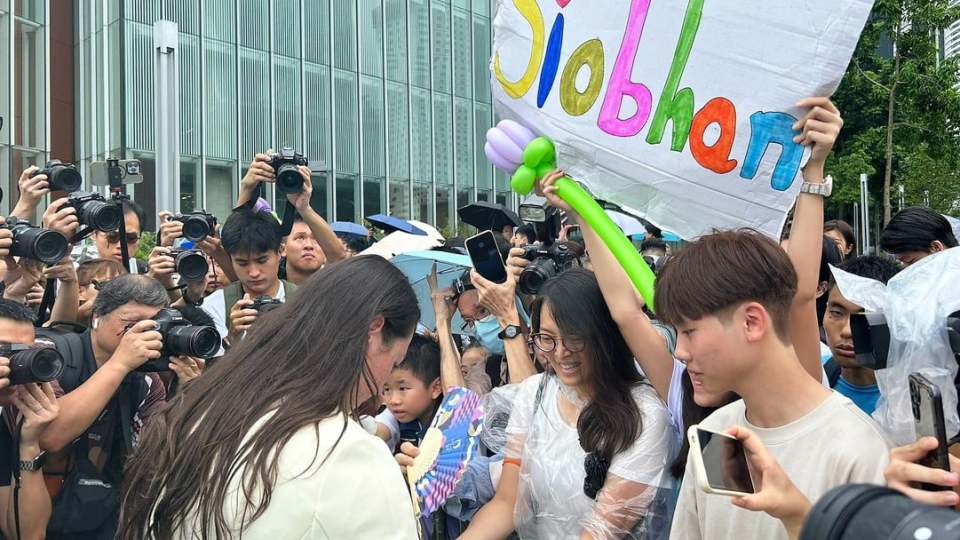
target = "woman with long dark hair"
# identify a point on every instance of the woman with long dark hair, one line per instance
(266, 443)
(588, 442)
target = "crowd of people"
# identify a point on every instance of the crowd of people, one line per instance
(301, 417)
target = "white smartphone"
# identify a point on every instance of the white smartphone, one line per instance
(719, 463)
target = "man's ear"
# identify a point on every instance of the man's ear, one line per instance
(756, 321)
(822, 288)
(937, 246)
(436, 389)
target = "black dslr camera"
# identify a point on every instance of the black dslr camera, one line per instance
(871, 338)
(285, 165)
(265, 304)
(95, 212)
(32, 364)
(181, 338)
(544, 264)
(61, 176)
(35, 243)
(196, 225)
(191, 264)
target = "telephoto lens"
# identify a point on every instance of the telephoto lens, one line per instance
(96, 212)
(197, 226)
(182, 338)
(29, 364)
(61, 176)
(860, 511)
(35, 243)
(191, 264)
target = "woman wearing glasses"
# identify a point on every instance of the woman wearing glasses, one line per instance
(588, 442)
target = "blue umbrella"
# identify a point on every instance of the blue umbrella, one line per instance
(666, 235)
(417, 265)
(390, 224)
(349, 228)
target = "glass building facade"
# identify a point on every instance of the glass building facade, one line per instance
(393, 96)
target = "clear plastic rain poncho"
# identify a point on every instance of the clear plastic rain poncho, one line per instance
(916, 303)
(636, 498)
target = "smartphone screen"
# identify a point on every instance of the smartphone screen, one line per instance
(486, 258)
(928, 421)
(725, 462)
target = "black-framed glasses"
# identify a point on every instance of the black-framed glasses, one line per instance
(114, 238)
(548, 343)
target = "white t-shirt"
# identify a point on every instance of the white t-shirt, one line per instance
(358, 492)
(550, 499)
(832, 445)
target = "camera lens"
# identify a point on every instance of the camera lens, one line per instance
(196, 341)
(100, 215)
(536, 274)
(289, 179)
(65, 179)
(195, 228)
(35, 365)
(192, 266)
(39, 244)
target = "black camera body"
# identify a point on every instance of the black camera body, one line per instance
(32, 242)
(265, 304)
(95, 212)
(61, 176)
(197, 225)
(32, 364)
(285, 165)
(545, 262)
(181, 338)
(191, 264)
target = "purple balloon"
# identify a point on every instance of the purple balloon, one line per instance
(499, 161)
(262, 206)
(504, 145)
(517, 133)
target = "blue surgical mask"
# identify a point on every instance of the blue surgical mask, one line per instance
(487, 330)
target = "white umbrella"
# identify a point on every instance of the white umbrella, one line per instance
(955, 223)
(399, 242)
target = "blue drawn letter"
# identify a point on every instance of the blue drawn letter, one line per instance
(773, 128)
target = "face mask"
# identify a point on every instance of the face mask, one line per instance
(487, 330)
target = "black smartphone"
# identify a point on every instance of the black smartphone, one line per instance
(928, 422)
(485, 256)
(574, 234)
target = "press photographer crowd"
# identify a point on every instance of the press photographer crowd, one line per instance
(296, 378)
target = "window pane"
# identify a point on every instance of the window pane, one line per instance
(253, 32)
(221, 100)
(445, 209)
(419, 43)
(317, 105)
(188, 186)
(186, 13)
(482, 123)
(374, 158)
(422, 144)
(347, 140)
(396, 40)
(254, 93)
(29, 100)
(440, 28)
(484, 195)
(481, 58)
(371, 37)
(464, 197)
(398, 131)
(346, 197)
(373, 194)
(287, 106)
(286, 27)
(400, 198)
(462, 55)
(443, 138)
(219, 20)
(220, 191)
(344, 30)
(189, 95)
(7, 126)
(503, 198)
(319, 198)
(317, 46)
(463, 142)
(29, 9)
(422, 201)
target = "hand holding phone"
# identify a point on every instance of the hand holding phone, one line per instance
(720, 463)
(928, 421)
(486, 257)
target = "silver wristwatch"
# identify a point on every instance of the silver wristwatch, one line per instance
(34, 464)
(824, 190)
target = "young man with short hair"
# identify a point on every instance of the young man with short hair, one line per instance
(302, 252)
(846, 376)
(915, 233)
(253, 241)
(108, 244)
(729, 294)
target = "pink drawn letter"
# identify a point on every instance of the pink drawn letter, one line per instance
(620, 84)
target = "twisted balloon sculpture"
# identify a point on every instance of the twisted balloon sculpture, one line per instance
(516, 150)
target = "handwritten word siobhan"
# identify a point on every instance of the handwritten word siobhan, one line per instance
(675, 105)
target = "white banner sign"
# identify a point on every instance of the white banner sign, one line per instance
(679, 109)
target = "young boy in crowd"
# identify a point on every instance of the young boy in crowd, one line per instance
(411, 394)
(729, 294)
(846, 376)
(252, 239)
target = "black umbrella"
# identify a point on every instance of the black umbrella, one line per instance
(489, 216)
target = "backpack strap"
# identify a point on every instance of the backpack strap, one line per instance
(231, 293)
(288, 288)
(833, 372)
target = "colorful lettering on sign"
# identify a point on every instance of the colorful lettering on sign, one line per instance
(676, 105)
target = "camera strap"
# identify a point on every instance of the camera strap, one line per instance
(289, 211)
(46, 304)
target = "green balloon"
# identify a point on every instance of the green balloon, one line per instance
(539, 151)
(523, 180)
(545, 169)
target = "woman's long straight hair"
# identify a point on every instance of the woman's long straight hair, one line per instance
(306, 361)
(611, 421)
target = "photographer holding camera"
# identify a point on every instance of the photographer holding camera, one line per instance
(108, 398)
(21, 459)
